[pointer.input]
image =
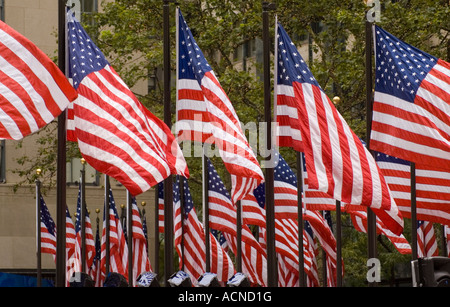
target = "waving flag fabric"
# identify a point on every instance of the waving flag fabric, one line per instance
(432, 188)
(426, 240)
(73, 263)
(33, 89)
(190, 240)
(223, 218)
(48, 230)
(205, 114)
(337, 161)
(141, 263)
(116, 134)
(412, 103)
(118, 250)
(89, 237)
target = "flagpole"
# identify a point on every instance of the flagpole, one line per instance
(106, 211)
(239, 236)
(413, 211)
(61, 159)
(130, 238)
(38, 229)
(272, 272)
(371, 219)
(168, 182)
(206, 212)
(301, 258)
(156, 228)
(338, 245)
(83, 215)
(182, 217)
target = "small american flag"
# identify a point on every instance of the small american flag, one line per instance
(116, 134)
(34, 90)
(190, 240)
(337, 161)
(89, 237)
(48, 230)
(426, 240)
(411, 104)
(73, 263)
(118, 249)
(141, 263)
(223, 217)
(205, 114)
(94, 270)
(359, 220)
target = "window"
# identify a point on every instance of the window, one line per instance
(73, 173)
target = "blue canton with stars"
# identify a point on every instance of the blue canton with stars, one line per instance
(291, 66)
(400, 67)
(84, 55)
(46, 217)
(191, 61)
(215, 182)
(187, 198)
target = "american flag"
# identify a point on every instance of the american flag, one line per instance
(116, 134)
(34, 90)
(94, 270)
(411, 103)
(205, 114)
(160, 188)
(223, 218)
(73, 264)
(118, 250)
(337, 161)
(190, 240)
(48, 230)
(432, 188)
(141, 263)
(359, 221)
(426, 240)
(89, 237)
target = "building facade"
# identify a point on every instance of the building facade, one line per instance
(37, 20)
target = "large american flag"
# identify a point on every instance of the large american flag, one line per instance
(118, 250)
(116, 134)
(48, 230)
(432, 188)
(411, 104)
(337, 161)
(190, 239)
(33, 89)
(426, 240)
(205, 114)
(89, 237)
(222, 217)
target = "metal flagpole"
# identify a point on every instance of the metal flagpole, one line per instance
(413, 211)
(107, 234)
(301, 258)
(206, 212)
(83, 215)
(168, 182)
(156, 228)
(371, 218)
(239, 236)
(38, 229)
(338, 245)
(61, 159)
(272, 272)
(130, 238)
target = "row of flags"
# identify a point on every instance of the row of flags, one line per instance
(119, 137)
(95, 246)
